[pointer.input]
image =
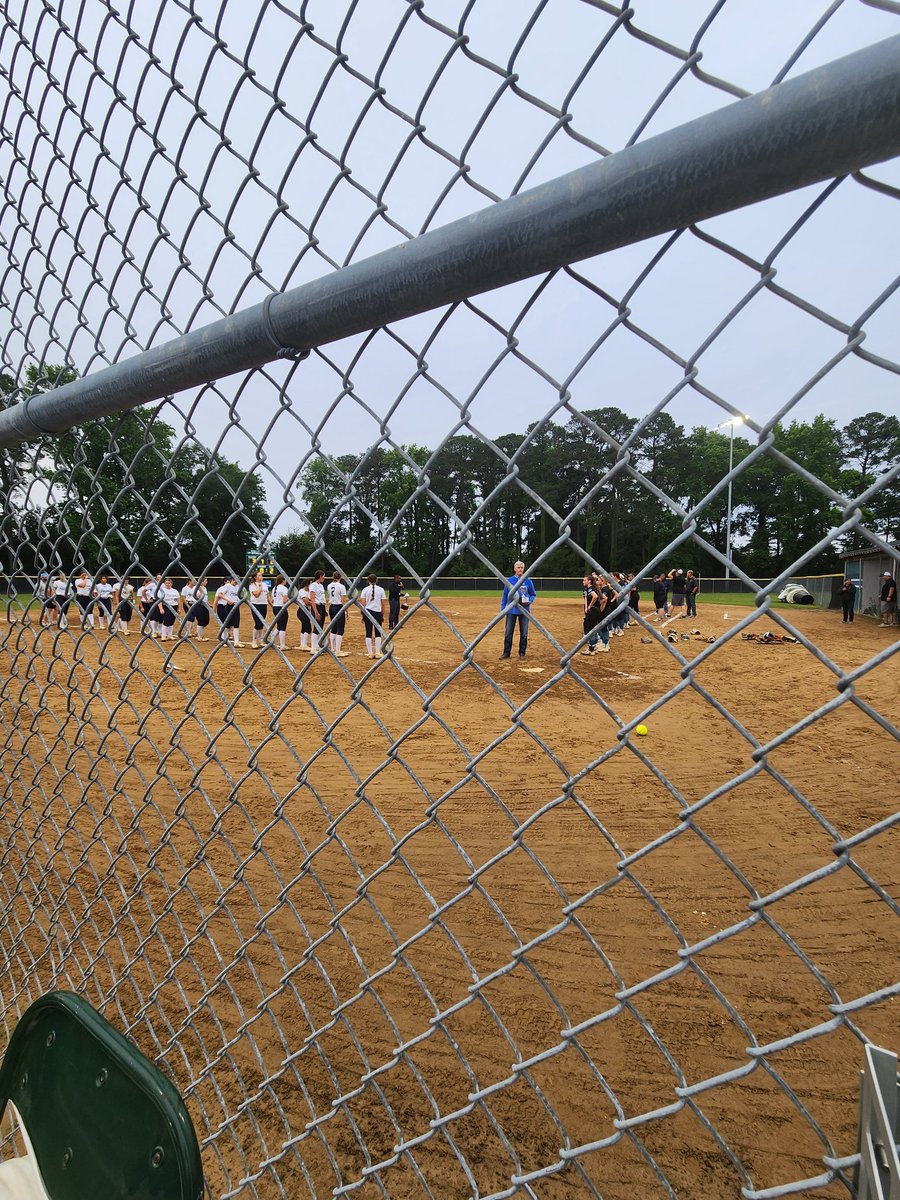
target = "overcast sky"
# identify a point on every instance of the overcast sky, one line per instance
(123, 183)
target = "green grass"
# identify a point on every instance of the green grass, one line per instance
(737, 600)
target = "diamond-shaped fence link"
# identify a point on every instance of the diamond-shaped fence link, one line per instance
(401, 917)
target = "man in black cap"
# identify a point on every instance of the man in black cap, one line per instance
(888, 601)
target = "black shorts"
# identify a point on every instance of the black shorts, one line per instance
(372, 621)
(198, 612)
(125, 612)
(280, 616)
(167, 616)
(259, 612)
(229, 615)
(305, 619)
(338, 617)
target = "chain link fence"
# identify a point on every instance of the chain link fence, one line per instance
(359, 290)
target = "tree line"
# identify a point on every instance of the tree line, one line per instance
(455, 510)
(530, 496)
(121, 491)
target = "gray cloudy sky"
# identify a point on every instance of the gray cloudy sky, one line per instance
(141, 192)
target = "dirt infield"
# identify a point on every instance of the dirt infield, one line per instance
(426, 922)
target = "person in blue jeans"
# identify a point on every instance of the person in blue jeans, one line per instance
(518, 597)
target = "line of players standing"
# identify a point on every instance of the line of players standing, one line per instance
(602, 598)
(166, 612)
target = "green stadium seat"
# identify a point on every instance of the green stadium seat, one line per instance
(96, 1118)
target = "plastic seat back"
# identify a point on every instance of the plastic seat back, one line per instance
(103, 1122)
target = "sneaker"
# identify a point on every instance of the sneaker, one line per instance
(521, 656)
(504, 656)
(342, 654)
(601, 649)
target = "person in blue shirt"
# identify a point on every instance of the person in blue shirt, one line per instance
(518, 597)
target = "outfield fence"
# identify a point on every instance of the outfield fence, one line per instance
(430, 924)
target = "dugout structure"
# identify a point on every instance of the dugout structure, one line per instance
(431, 924)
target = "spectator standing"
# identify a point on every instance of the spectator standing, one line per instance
(848, 600)
(678, 594)
(634, 595)
(691, 588)
(518, 597)
(660, 596)
(888, 601)
(395, 594)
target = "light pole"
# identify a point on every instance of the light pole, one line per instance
(731, 422)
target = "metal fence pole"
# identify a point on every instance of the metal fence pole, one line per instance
(830, 121)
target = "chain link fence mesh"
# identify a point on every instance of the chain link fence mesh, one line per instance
(430, 924)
